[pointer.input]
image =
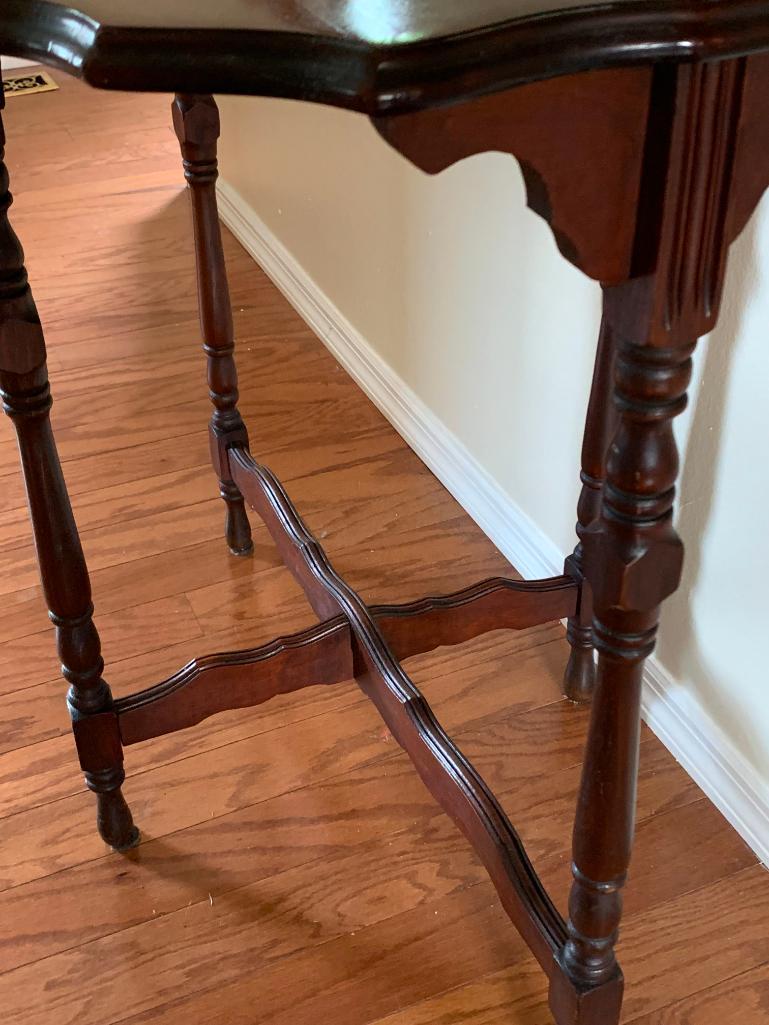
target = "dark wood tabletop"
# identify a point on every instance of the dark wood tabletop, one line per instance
(646, 167)
(381, 57)
(369, 21)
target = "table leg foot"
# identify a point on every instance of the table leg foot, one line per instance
(579, 675)
(237, 529)
(575, 1005)
(113, 816)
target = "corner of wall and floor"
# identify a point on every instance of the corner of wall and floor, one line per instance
(682, 723)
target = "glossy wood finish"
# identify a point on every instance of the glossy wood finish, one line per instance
(354, 646)
(324, 654)
(684, 191)
(600, 427)
(242, 679)
(292, 861)
(599, 118)
(447, 774)
(27, 401)
(632, 555)
(196, 122)
(495, 604)
(663, 187)
(383, 58)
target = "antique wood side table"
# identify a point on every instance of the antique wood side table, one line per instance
(642, 130)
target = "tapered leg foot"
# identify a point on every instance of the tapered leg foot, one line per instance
(579, 677)
(237, 529)
(113, 818)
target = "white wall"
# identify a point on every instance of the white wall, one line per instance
(459, 290)
(11, 63)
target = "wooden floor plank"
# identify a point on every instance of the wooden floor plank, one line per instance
(743, 998)
(181, 791)
(519, 995)
(293, 868)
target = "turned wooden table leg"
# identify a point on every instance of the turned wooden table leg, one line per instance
(27, 400)
(196, 122)
(633, 559)
(632, 554)
(600, 424)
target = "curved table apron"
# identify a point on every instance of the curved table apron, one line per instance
(642, 133)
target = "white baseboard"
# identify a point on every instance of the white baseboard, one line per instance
(682, 725)
(711, 759)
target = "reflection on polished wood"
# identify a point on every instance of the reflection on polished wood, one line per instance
(242, 679)
(292, 861)
(380, 57)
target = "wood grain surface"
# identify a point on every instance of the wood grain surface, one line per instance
(293, 868)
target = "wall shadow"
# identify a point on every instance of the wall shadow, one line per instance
(679, 649)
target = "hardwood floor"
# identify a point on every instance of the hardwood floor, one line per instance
(293, 868)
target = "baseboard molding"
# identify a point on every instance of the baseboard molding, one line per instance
(681, 724)
(696, 741)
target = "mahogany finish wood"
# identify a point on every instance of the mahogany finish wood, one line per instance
(590, 200)
(27, 401)
(600, 427)
(645, 175)
(496, 604)
(447, 774)
(305, 804)
(242, 679)
(381, 58)
(196, 122)
(632, 555)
